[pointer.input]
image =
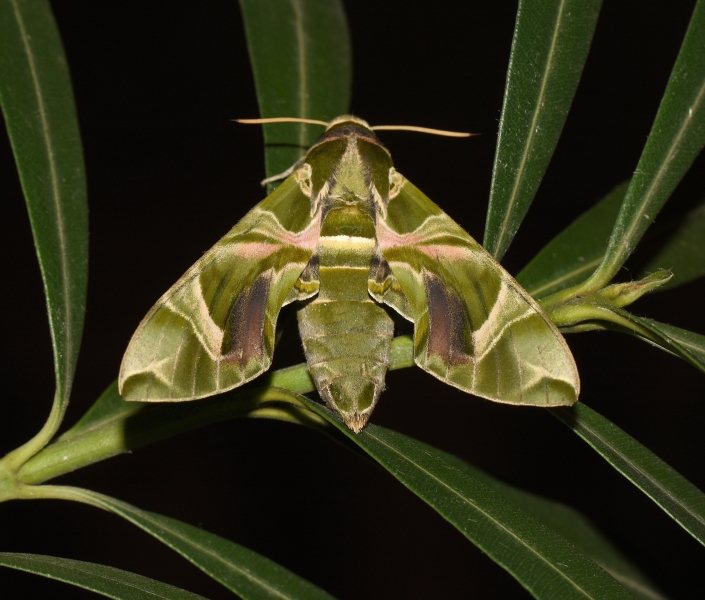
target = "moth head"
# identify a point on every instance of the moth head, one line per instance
(348, 161)
(348, 119)
(347, 164)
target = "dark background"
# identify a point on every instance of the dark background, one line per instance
(156, 85)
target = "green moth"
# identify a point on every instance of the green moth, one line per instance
(348, 237)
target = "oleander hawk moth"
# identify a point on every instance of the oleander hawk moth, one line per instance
(347, 237)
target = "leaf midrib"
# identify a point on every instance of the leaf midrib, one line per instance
(60, 222)
(567, 276)
(213, 555)
(521, 170)
(78, 567)
(639, 471)
(485, 514)
(661, 171)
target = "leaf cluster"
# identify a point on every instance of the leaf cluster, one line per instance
(549, 548)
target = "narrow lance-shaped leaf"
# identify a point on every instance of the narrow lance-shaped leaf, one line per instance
(37, 101)
(113, 426)
(667, 488)
(572, 526)
(301, 59)
(538, 558)
(551, 43)
(683, 252)
(248, 574)
(95, 434)
(107, 581)
(683, 343)
(676, 138)
(575, 252)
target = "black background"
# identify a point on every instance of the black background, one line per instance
(156, 85)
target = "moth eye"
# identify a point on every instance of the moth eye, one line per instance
(396, 182)
(303, 178)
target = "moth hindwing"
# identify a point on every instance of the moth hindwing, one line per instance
(348, 237)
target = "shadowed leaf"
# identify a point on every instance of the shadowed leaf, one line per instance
(685, 344)
(671, 491)
(248, 574)
(542, 561)
(110, 582)
(683, 252)
(572, 526)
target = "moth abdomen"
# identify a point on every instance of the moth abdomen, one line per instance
(346, 335)
(347, 345)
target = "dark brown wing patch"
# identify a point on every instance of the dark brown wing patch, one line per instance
(447, 320)
(244, 333)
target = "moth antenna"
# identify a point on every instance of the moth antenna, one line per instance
(281, 120)
(422, 130)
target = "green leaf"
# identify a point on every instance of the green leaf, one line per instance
(110, 582)
(248, 574)
(37, 101)
(112, 426)
(572, 526)
(671, 491)
(685, 344)
(301, 59)
(569, 524)
(585, 316)
(109, 407)
(543, 562)
(551, 43)
(573, 254)
(683, 252)
(676, 138)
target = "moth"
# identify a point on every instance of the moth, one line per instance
(349, 238)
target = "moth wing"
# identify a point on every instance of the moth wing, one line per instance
(475, 327)
(215, 328)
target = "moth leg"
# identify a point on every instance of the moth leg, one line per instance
(385, 288)
(308, 283)
(284, 174)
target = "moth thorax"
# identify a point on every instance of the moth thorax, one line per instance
(348, 221)
(349, 180)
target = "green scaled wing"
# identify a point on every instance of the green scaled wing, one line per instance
(215, 328)
(475, 327)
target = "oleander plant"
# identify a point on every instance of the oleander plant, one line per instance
(341, 227)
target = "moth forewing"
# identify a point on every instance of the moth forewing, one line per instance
(214, 329)
(475, 327)
(346, 235)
